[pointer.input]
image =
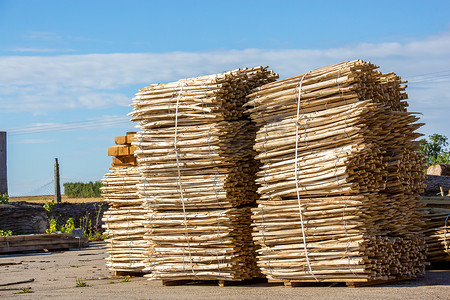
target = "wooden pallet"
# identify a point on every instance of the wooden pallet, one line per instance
(129, 273)
(41, 242)
(336, 282)
(220, 283)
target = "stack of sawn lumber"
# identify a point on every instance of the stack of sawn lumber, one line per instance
(125, 220)
(340, 177)
(194, 151)
(123, 152)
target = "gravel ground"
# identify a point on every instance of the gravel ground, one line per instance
(56, 274)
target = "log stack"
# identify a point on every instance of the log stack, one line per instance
(125, 220)
(123, 152)
(194, 151)
(41, 242)
(339, 177)
(437, 185)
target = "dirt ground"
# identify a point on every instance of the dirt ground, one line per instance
(56, 275)
(46, 198)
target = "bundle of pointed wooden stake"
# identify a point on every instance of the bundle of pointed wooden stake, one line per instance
(437, 233)
(195, 152)
(125, 221)
(203, 245)
(340, 178)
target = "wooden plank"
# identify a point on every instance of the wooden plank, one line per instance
(121, 140)
(124, 150)
(128, 273)
(376, 282)
(119, 150)
(124, 160)
(130, 137)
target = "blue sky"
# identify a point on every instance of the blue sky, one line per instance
(68, 69)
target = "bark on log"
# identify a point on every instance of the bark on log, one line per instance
(434, 183)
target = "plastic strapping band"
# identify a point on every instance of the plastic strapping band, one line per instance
(180, 187)
(296, 177)
(445, 235)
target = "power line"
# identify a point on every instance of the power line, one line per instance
(426, 74)
(69, 126)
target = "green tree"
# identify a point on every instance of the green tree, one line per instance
(4, 199)
(434, 150)
(82, 190)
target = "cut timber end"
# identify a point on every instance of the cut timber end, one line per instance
(128, 273)
(120, 140)
(130, 137)
(439, 170)
(120, 150)
(124, 160)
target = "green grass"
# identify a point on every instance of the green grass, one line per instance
(80, 283)
(25, 291)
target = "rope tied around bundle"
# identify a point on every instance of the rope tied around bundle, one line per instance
(179, 181)
(296, 176)
(445, 235)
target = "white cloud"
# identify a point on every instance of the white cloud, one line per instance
(46, 83)
(98, 123)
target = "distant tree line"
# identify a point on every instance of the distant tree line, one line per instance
(82, 190)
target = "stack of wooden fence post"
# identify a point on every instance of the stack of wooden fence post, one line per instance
(437, 233)
(340, 177)
(436, 215)
(194, 151)
(125, 221)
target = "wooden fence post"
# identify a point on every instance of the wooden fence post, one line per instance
(3, 171)
(57, 186)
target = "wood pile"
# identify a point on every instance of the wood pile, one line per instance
(123, 153)
(437, 185)
(194, 151)
(125, 221)
(22, 217)
(41, 242)
(339, 177)
(437, 233)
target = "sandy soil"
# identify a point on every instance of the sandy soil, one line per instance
(56, 274)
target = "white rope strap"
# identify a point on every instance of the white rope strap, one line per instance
(179, 181)
(296, 177)
(445, 235)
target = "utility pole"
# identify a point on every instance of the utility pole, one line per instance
(3, 173)
(57, 186)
